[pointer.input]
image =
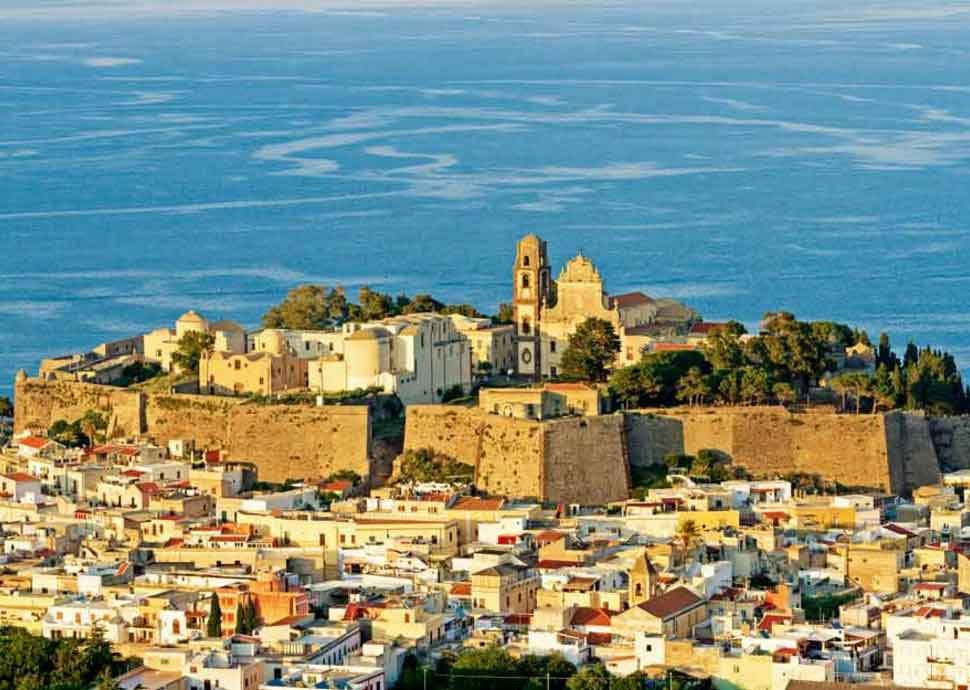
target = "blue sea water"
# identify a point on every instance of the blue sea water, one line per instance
(740, 156)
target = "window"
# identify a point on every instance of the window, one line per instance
(526, 326)
(552, 346)
(525, 280)
(238, 365)
(552, 372)
(525, 260)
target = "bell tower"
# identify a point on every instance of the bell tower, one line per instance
(531, 283)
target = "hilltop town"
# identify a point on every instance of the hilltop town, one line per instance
(586, 490)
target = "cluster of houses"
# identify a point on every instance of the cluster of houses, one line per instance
(162, 550)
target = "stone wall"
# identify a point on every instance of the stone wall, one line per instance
(203, 418)
(951, 438)
(565, 460)
(41, 403)
(291, 442)
(586, 458)
(282, 441)
(893, 452)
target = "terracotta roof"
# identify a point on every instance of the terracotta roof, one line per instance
(672, 347)
(475, 503)
(550, 564)
(150, 488)
(705, 327)
(549, 537)
(585, 615)
(631, 299)
(892, 527)
(21, 477)
(461, 589)
(337, 486)
(770, 619)
(672, 602)
(34, 441)
(930, 585)
(132, 473)
(599, 638)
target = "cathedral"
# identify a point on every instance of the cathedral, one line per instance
(548, 311)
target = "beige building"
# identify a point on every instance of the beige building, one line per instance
(162, 343)
(548, 311)
(543, 402)
(262, 373)
(492, 346)
(505, 588)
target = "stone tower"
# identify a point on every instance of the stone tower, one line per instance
(531, 288)
(643, 580)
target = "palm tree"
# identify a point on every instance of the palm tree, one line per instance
(688, 533)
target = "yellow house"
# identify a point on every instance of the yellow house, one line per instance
(505, 589)
(874, 566)
(262, 373)
(825, 516)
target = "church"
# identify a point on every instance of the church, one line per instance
(548, 311)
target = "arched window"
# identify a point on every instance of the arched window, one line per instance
(525, 280)
(526, 326)
(525, 260)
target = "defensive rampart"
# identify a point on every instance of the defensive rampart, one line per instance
(282, 441)
(893, 452)
(575, 460)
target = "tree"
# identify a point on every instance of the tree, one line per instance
(754, 385)
(634, 387)
(374, 305)
(722, 347)
(506, 314)
(480, 669)
(422, 303)
(784, 392)
(6, 407)
(591, 351)
(308, 307)
(93, 424)
(213, 626)
(106, 681)
(241, 620)
(592, 677)
(191, 347)
(68, 434)
(688, 533)
(693, 387)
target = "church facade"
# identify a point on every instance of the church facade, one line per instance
(548, 311)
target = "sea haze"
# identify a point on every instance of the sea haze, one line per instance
(156, 157)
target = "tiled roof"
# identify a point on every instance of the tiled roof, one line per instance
(34, 441)
(21, 477)
(475, 503)
(669, 603)
(631, 299)
(705, 327)
(585, 615)
(461, 589)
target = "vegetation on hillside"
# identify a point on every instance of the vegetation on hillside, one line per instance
(30, 662)
(781, 363)
(493, 668)
(428, 465)
(89, 428)
(314, 307)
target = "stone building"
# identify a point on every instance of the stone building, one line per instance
(548, 311)
(162, 343)
(274, 370)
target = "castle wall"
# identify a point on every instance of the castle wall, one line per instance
(951, 438)
(893, 452)
(586, 458)
(564, 460)
(282, 441)
(41, 403)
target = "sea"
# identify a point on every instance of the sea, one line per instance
(741, 157)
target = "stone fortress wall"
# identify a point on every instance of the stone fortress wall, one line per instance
(282, 441)
(571, 460)
(893, 452)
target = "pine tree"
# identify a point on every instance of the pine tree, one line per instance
(214, 624)
(241, 620)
